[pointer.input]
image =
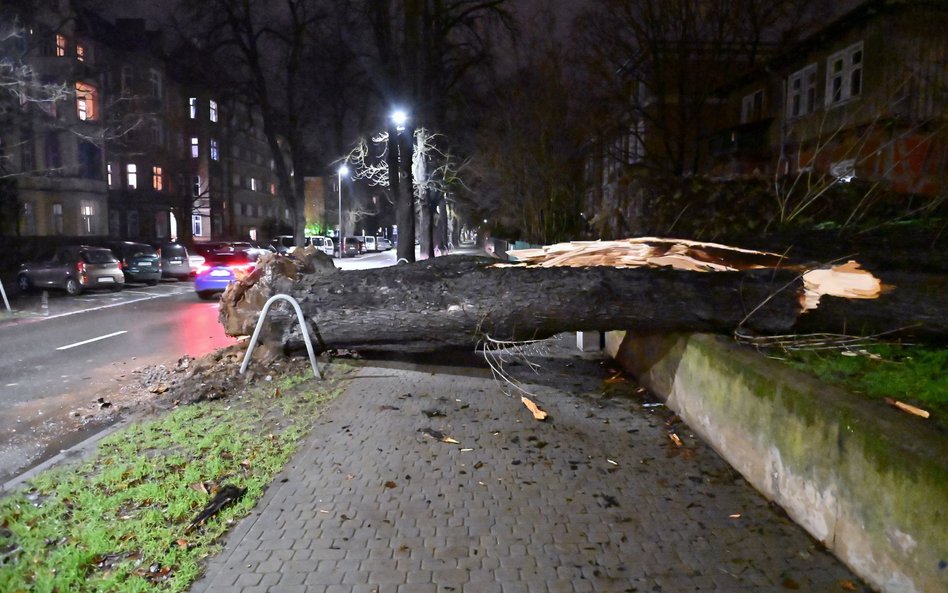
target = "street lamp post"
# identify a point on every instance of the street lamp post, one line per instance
(343, 170)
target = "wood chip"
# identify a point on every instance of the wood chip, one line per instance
(907, 407)
(538, 414)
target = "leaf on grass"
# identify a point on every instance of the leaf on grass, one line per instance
(182, 543)
(538, 414)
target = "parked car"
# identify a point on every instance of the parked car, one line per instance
(74, 268)
(175, 260)
(368, 243)
(247, 247)
(324, 244)
(220, 269)
(140, 261)
(382, 244)
(354, 246)
(282, 244)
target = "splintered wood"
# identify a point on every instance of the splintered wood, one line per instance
(652, 252)
(847, 281)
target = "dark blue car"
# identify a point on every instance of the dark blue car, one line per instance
(220, 269)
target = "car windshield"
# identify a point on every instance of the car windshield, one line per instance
(230, 258)
(97, 256)
(174, 250)
(138, 250)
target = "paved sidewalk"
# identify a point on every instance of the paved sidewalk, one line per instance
(597, 498)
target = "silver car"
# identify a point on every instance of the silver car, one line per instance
(73, 268)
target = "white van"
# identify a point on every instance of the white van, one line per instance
(323, 244)
(368, 243)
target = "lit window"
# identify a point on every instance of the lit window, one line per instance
(212, 106)
(215, 154)
(195, 147)
(87, 217)
(254, 184)
(844, 75)
(197, 226)
(273, 189)
(196, 186)
(80, 52)
(86, 101)
(131, 176)
(61, 44)
(193, 107)
(108, 171)
(154, 79)
(156, 178)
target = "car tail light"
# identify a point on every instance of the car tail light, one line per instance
(119, 264)
(81, 267)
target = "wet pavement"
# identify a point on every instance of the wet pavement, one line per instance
(430, 478)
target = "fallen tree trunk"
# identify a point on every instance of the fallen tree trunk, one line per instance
(456, 301)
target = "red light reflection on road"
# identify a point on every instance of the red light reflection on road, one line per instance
(201, 331)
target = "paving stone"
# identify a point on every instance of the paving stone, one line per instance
(532, 508)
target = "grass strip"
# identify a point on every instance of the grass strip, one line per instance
(117, 521)
(913, 374)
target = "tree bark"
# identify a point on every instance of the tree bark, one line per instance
(455, 301)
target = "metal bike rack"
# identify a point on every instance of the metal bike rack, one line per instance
(299, 315)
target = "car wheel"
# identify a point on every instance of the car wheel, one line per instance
(73, 288)
(152, 282)
(23, 283)
(116, 287)
(205, 294)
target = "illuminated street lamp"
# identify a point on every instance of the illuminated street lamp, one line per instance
(343, 170)
(399, 118)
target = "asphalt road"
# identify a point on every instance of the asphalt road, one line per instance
(62, 354)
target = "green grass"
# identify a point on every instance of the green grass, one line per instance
(118, 521)
(912, 374)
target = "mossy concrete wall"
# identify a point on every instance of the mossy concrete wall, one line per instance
(867, 480)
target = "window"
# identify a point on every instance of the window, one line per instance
(844, 75)
(254, 184)
(845, 170)
(86, 101)
(157, 180)
(197, 226)
(53, 156)
(212, 107)
(193, 107)
(127, 79)
(154, 80)
(61, 45)
(108, 174)
(90, 160)
(27, 160)
(196, 186)
(752, 107)
(87, 217)
(157, 133)
(161, 224)
(273, 189)
(235, 180)
(215, 154)
(132, 226)
(131, 176)
(27, 218)
(801, 92)
(57, 219)
(114, 220)
(195, 147)
(80, 52)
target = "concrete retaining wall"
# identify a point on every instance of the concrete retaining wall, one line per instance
(868, 481)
